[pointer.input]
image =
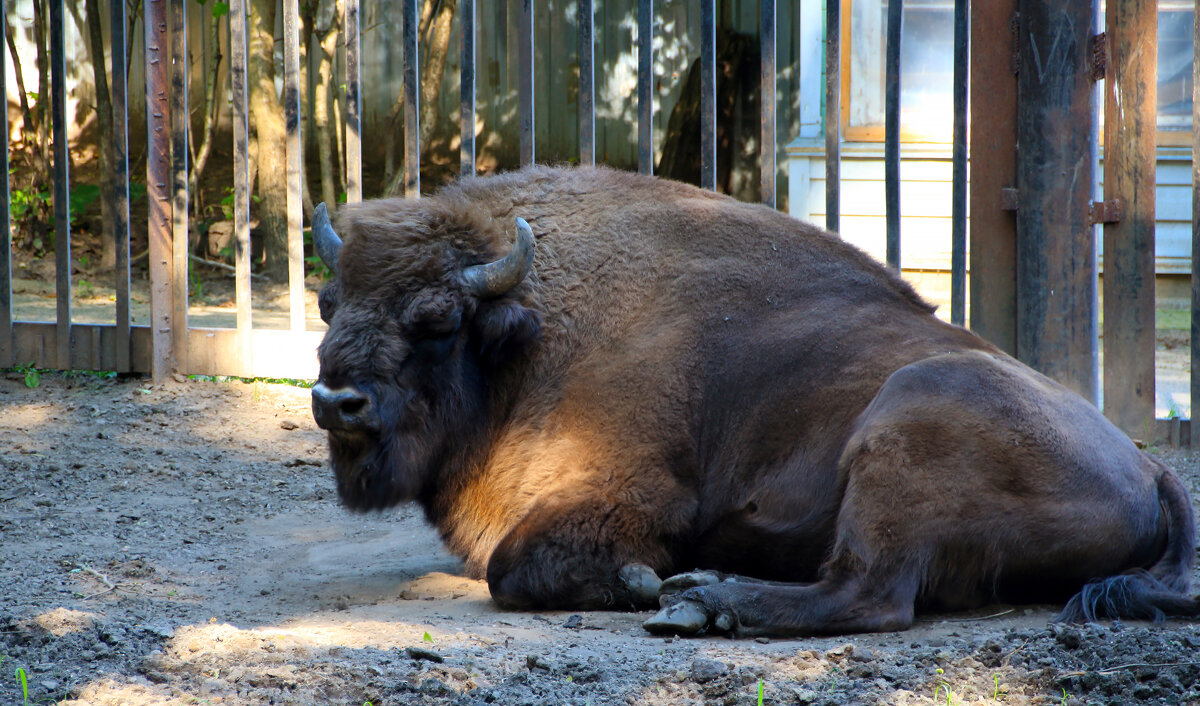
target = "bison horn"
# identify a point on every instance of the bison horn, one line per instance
(325, 240)
(496, 278)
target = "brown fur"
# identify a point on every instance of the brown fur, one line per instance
(685, 380)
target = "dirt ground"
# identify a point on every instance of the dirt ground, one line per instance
(183, 544)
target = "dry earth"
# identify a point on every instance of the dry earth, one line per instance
(183, 544)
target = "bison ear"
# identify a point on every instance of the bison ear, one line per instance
(502, 329)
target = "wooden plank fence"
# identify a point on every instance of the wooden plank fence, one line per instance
(169, 345)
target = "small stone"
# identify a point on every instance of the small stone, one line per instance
(574, 622)
(763, 640)
(288, 425)
(705, 670)
(421, 653)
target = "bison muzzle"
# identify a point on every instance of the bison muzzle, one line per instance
(652, 379)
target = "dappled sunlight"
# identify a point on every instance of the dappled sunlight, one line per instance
(63, 621)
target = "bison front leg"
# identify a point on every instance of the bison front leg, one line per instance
(583, 555)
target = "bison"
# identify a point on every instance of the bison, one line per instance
(656, 379)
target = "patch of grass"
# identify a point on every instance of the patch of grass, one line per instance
(24, 685)
(292, 382)
(33, 377)
(1173, 319)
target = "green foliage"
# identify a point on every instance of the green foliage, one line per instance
(293, 382)
(315, 264)
(82, 197)
(26, 203)
(32, 377)
(760, 692)
(24, 684)
(428, 638)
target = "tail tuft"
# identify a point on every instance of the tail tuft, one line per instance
(1135, 595)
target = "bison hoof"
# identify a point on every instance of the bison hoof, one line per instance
(691, 614)
(682, 618)
(682, 582)
(642, 582)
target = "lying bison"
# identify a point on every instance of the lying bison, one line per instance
(674, 380)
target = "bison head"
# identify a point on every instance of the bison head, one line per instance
(422, 314)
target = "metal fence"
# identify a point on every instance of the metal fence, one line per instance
(1001, 284)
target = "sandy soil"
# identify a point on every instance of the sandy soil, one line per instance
(183, 544)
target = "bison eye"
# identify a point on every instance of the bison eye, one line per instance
(434, 347)
(433, 340)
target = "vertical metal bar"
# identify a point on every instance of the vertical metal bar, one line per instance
(466, 150)
(958, 196)
(295, 161)
(833, 115)
(587, 84)
(62, 203)
(767, 155)
(179, 167)
(1130, 123)
(353, 104)
(412, 103)
(708, 94)
(1056, 251)
(1195, 356)
(645, 86)
(891, 130)
(993, 256)
(120, 137)
(7, 354)
(241, 179)
(525, 81)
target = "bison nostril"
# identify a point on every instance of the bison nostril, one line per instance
(341, 408)
(353, 405)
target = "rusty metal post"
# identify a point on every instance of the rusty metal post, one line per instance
(958, 190)
(412, 102)
(1056, 247)
(645, 86)
(891, 129)
(466, 149)
(587, 84)
(1130, 122)
(525, 82)
(833, 114)
(993, 149)
(1195, 352)
(62, 185)
(708, 94)
(179, 185)
(295, 162)
(7, 353)
(239, 90)
(767, 167)
(352, 26)
(158, 185)
(120, 104)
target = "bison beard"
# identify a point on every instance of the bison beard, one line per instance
(672, 380)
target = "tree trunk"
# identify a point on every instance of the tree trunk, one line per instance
(327, 31)
(437, 18)
(108, 157)
(212, 112)
(28, 128)
(270, 139)
(41, 37)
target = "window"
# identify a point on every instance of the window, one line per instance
(927, 70)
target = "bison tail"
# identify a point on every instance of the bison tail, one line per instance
(1151, 594)
(1136, 595)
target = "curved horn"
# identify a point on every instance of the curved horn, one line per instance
(496, 278)
(325, 240)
